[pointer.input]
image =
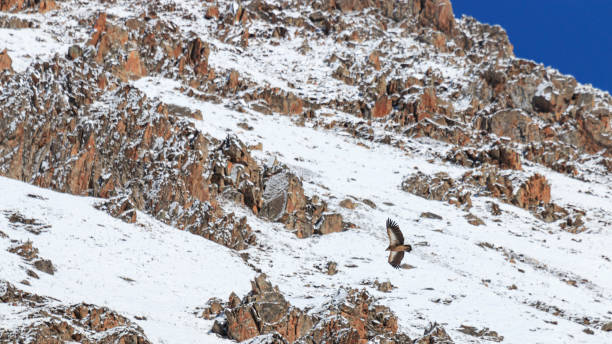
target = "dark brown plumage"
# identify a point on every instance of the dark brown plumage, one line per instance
(396, 244)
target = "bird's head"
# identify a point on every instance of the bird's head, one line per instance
(388, 248)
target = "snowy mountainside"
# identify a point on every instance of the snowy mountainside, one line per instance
(194, 172)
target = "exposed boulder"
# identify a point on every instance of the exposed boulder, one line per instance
(498, 155)
(382, 107)
(44, 321)
(283, 200)
(45, 265)
(533, 192)
(41, 6)
(6, 63)
(437, 14)
(350, 317)
(484, 333)
(26, 250)
(440, 187)
(120, 207)
(281, 101)
(283, 195)
(434, 334)
(264, 310)
(119, 149)
(212, 12)
(329, 223)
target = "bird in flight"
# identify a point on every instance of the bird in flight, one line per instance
(396, 244)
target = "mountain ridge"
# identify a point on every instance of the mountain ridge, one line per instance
(287, 132)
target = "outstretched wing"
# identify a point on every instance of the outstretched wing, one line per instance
(395, 234)
(395, 258)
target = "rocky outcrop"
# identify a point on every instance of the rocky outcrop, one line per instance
(280, 101)
(118, 150)
(44, 321)
(533, 192)
(6, 63)
(441, 187)
(484, 333)
(12, 22)
(284, 201)
(41, 6)
(434, 334)
(500, 156)
(351, 317)
(382, 107)
(432, 13)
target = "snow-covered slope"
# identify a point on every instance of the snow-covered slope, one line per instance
(145, 270)
(470, 283)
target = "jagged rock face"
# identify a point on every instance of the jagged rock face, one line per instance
(532, 193)
(45, 322)
(350, 318)
(63, 131)
(441, 187)
(434, 13)
(5, 61)
(435, 335)
(41, 6)
(501, 97)
(120, 150)
(284, 201)
(499, 155)
(283, 195)
(12, 22)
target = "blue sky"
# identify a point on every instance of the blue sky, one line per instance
(573, 36)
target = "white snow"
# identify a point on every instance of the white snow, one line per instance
(473, 278)
(97, 257)
(156, 271)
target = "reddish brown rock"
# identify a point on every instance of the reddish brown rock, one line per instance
(440, 187)
(99, 27)
(25, 250)
(46, 322)
(439, 14)
(196, 55)
(212, 12)
(232, 81)
(454, 135)
(133, 68)
(427, 105)
(109, 152)
(6, 63)
(41, 6)
(330, 223)
(434, 334)
(46, 5)
(382, 107)
(273, 314)
(242, 16)
(534, 191)
(374, 60)
(281, 101)
(499, 155)
(513, 124)
(352, 317)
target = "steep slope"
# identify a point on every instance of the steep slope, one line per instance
(262, 126)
